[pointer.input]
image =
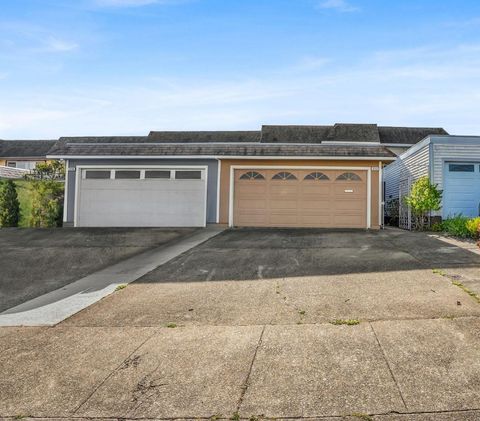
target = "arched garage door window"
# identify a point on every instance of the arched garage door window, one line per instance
(252, 175)
(284, 175)
(348, 176)
(316, 176)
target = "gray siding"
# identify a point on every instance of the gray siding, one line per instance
(457, 151)
(211, 182)
(415, 165)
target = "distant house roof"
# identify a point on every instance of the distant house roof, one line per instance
(347, 140)
(407, 135)
(8, 172)
(25, 148)
(205, 136)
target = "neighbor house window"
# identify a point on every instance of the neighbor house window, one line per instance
(461, 168)
(157, 174)
(127, 174)
(316, 176)
(349, 176)
(252, 175)
(97, 174)
(284, 176)
(11, 164)
(188, 175)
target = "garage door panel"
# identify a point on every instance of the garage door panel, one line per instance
(320, 205)
(462, 189)
(141, 202)
(318, 201)
(252, 203)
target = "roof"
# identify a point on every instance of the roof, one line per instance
(353, 140)
(348, 133)
(219, 149)
(8, 172)
(318, 134)
(205, 136)
(25, 148)
(408, 135)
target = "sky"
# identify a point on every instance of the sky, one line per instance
(125, 67)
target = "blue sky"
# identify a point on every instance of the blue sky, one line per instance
(112, 67)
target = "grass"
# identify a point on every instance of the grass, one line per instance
(348, 322)
(172, 325)
(24, 191)
(235, 416)
(120, 287)
(439, 272)
(467, 290)
(361, 416)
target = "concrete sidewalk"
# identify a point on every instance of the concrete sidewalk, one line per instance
(55, 306)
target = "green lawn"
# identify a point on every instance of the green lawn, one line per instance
(24, 191)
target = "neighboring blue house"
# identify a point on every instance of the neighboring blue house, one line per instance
(450, 162)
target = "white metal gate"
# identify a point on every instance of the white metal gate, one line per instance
(404, 212)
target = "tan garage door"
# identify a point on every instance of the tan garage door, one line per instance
(300, 198)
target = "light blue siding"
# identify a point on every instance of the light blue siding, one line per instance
(461, 193)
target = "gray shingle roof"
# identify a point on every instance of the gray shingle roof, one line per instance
(7, 172)
(217, 149)
(363, 140)
(407, 135)
(347, 133)
(205, 136)
(25, 148)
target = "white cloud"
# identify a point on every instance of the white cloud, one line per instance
(53, 44)
(132, 3)
(398, 87)
(340, 5)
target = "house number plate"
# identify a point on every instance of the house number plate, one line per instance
(348, 191)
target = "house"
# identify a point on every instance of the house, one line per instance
(24, 154)
(279, 176)
(450, 162)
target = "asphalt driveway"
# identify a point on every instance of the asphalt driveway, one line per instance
(36, 261)
(251, 324)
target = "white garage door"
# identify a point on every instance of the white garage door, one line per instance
(152, 197)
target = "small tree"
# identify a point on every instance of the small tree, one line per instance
(9, 205)
(53, 170)
(46, 203)
(424, 198)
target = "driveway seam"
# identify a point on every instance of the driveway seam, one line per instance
(388, 365)
(247, 379)
(114, 371)
(310, 417)
(406, 319)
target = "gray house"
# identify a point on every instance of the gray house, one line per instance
(279, 176)
(451, 162)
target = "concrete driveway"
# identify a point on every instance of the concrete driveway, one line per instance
(266, 323)
(36, 261)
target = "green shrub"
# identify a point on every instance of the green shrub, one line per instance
(9, 205)
(473, 227)
(424, 198)
(456, 226)
(47, 203)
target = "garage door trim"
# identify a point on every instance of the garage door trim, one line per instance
(297, 167)
(80, 168)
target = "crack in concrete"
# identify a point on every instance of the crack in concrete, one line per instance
(388, 365)
(113, 372)
(247, 379)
